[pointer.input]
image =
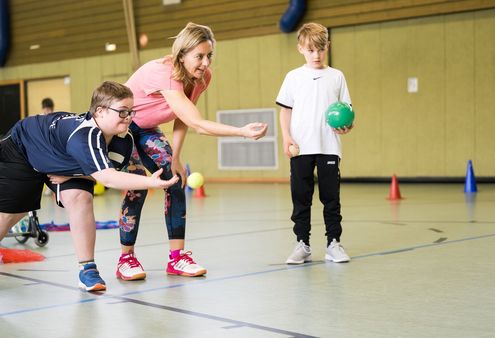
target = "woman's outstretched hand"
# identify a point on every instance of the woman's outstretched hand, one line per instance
(255, 130)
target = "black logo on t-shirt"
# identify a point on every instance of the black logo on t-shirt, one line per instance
(316, 78)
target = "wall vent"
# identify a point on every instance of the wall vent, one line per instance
(240, 153)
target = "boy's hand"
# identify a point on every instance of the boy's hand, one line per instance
(255, 130)
(342, 131)
(157, 182)
(291, 148)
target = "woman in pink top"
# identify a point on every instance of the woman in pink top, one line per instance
(167, 90)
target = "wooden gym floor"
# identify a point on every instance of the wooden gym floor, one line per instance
(421, 267)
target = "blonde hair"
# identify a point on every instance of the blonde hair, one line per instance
(313, 35)
(106, 93)
(187, 39)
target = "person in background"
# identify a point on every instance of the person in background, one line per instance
(47, 106)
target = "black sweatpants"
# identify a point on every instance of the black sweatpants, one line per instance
(302, 187)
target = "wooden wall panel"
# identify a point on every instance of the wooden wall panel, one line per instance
(433, 132)
(271, 68)
(460, 90)
(426, 57)
(395, 118)
(364, 144)
(345, 13)
(449, 121)
(67, 29)
(64, 29)
(249, 73)
(57, 89)
(484, 100)
(226, 73)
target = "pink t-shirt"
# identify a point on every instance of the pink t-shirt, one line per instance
(146, 83)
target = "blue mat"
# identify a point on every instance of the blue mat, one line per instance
(65, 227)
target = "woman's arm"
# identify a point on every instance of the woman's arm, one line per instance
(187, 112)
(120, 180)
(179, 135)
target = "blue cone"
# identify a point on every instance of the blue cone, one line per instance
(470, 185)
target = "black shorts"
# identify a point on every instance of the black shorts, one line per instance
(73, 183)
(20, 185)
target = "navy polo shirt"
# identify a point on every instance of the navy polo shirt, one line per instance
(67, 144)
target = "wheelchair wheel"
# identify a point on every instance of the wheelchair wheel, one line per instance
(42, 238)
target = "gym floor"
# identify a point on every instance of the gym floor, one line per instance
(421, 267)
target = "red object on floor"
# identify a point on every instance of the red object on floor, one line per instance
(200, 192)
(19, 256)
(394, 193)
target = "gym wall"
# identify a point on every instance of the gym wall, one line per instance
(70, 29)
(430, 133)
(435, 131)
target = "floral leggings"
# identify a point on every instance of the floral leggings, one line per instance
(152, 151)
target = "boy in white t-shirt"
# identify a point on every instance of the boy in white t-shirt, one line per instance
(305, 94)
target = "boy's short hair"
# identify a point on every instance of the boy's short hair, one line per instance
(47, 103)
(106, 93)
(313, 35)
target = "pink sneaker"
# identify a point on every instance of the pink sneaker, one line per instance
(129, 268)
(184, 265)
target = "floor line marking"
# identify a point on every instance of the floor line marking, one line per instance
(123, 297)
(102, 295)
(264, 231)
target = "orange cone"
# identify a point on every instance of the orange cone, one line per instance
(200, 192)
(394, 193)
(19, 256)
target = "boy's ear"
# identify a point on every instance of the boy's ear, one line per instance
(300, 48)
(98, 111)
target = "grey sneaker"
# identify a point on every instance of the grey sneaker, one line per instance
(335, 253)
(301, 254)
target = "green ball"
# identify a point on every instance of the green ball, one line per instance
(339, 115)
(195, 180)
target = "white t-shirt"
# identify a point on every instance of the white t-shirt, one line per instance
(309, 92)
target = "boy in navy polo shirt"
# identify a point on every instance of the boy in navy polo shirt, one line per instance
(68, 152)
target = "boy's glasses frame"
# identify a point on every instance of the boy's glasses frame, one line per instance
(124, 112)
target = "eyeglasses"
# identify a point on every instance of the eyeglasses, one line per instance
(124, 112)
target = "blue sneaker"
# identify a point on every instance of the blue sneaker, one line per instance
(89, 278)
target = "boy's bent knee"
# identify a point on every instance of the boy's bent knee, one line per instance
(74, 197)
